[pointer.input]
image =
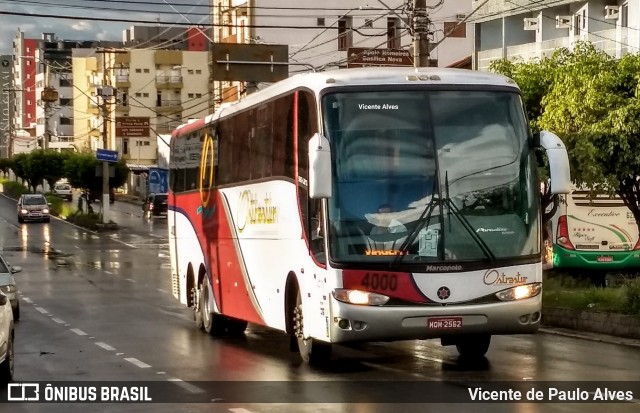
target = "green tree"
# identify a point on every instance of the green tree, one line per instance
(54, 162)
(5, 165)
(591, 100)
(20, 167)
(80, 169)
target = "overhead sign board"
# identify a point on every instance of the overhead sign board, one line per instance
(132, 126)
(362, 57)
(250, 62)
(107, 155)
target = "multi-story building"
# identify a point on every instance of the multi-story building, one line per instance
(522, 29)
(319, 35)
(40, 65)
(6, 103)
(163, 88)
(165, 37)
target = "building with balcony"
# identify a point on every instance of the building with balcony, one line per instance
(521, 29)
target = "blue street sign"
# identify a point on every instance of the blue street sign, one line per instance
(107, 155)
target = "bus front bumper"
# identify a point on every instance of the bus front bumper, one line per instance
(353, 323)
(595, 260)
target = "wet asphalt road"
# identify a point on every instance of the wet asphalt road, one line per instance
(98, 307)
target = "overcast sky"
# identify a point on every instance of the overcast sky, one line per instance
(80, 27)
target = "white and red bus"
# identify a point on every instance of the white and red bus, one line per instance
(364, 205)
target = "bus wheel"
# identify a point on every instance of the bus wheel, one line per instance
(236, 327)
(211, 323)
(474, 346)
(311, 351)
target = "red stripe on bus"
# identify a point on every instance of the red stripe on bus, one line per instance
(398, 285)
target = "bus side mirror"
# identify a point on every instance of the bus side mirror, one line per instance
(319, 167)
(558, 162)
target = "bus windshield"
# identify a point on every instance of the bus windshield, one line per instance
(430, 176)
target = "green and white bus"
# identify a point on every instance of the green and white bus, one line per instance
(592, 232)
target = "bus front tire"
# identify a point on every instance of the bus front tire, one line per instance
(474, 346)
(311, 351)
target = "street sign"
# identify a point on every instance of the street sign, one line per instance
(107, 155)
(362, 57)
(132, 126)
(250, 62)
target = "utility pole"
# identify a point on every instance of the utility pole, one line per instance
(49, 95)
(420, 34)
(105, 93)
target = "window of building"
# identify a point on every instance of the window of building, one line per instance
(66, 121)
(125, 146)
(66, 83)
(624, 18)
(454, 29)
(146, 71)
(138, 94)
(198, 72)
(345, 35)
(145, 94)
(138, 70)
(198, 95)
(320, 21)
(190, 95)
(190, 71)
(368, 23)
(65, 102)
(393, 33)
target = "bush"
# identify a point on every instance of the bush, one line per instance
(13, 189)
(89, 221)
(632, 297)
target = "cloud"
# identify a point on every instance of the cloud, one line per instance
(83, 26)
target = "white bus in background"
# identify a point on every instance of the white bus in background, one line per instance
(359, 205)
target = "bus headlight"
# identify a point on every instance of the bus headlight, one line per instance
(520, 292)
(359, 297)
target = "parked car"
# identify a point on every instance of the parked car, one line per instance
(8, 285)
(155, 205)
(33, 207)
(63, 191)
(6, 340)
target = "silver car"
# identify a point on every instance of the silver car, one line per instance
(8, 285)
(33, 207)
(6, 340)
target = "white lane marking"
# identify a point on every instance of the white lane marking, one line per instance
(119, 354)
(27, 300)
(161, 372)
(124, 243)
(42, 310)
(163, 291)
(239, 410)
(78, 332)
(105, 346)
(137, 362)
(108, 272)
(57, 320)
(131, 280)
(188, 387)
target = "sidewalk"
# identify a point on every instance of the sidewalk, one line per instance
(131, 199)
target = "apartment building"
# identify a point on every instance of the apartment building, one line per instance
(522, 29)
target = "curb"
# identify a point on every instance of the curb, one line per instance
(602, 338)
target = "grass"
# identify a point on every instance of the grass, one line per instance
(562, 290)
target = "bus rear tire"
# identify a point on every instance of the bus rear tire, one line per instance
(212, 323)
(473, 346)
(311, 351)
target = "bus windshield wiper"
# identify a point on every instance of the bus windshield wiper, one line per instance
(421, 222)
(425, 218)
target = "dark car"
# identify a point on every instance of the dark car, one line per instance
(155, 205)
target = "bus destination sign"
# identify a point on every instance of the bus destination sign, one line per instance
(363, 57)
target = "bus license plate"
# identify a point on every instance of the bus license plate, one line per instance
(444, 323)
(605, 258)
